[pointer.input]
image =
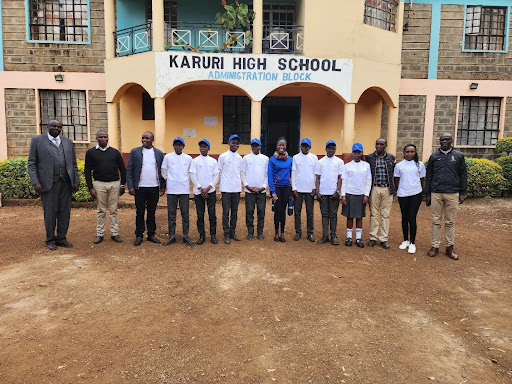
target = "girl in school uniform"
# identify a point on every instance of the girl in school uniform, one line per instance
(355, 189)
(408, 179)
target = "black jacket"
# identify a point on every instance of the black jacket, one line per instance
(446, 173)
(390, 164)
(135, 167)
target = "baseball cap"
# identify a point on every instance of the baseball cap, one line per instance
(204, 141)
(329, 143)
(178, 139)
(235, 136)
(255, 141)
(357, 147)
(305, 141)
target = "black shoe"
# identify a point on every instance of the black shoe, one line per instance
(311, 238)
(348, 242)
(384, 244)
(372, 243)
(187, 240)
(276, 238)
(235, 237)
(281, 239)
(98, 239)
(116, 238)
(226, 239)
(138, 240)
(201, 240)
(64, 244)
(297, 236)
(52, 246)
(323, 240)
(169, 241)
(214, 240)
(153, 239)
(334, 240)
(250, 236)
(359, 243)
(260, 237)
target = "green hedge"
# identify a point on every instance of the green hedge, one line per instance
(485, 178)
(15, 183)
(504, 145)
(506, 165)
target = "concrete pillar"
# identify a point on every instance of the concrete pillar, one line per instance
(349, 118)
(3, 127)
(160, 123)
(255, 119)
(113, 125)
(110, 27)
(257, 30)
(158, 25)
(392, 130)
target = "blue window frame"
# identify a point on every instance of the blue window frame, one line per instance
(486, 28)
(58, 21)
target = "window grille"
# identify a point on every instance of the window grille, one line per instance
(59, 20)
(236, 118)
(381, 14)
(485, 28)
(70, 108)
(479, 120)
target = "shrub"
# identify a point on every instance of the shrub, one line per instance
(506, 165)
(15, 182)
(504, 145)
(485, 178)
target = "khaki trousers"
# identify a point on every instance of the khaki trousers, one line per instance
(447, 203)
(108, 197)
(380, 202)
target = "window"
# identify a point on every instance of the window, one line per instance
(170, 10)
(280, 15)
(381, 14)
(148, 107)
(485, 28)
(478, 122)
(236, 118)
(70, 108)
(59, 20)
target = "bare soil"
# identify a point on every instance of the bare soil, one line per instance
(255, 311)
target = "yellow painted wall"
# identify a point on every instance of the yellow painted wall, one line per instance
(368, 120)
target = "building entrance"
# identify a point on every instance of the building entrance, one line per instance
(280, 117)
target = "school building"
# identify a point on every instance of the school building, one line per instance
(351, 70)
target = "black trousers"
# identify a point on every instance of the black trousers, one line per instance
(309, 201)
(201, 202)
(329, 208)
(230, 203)
(172, 207)
(280, 206)
(409, 207)
(146, 198)
(253, 200)
(57, 210)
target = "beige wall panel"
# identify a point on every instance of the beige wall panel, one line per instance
(368, 120)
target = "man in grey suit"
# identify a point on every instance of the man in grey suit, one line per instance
(54, 174)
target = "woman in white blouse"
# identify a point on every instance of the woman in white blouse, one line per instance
(408, 178)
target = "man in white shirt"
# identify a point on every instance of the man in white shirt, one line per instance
(230, 164)
(328, 172)
(303, 187)
(204, 173)
(254, 172)
(175, 169)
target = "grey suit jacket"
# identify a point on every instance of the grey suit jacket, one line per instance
(40, 161)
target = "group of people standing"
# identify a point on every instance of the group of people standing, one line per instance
(291, 181)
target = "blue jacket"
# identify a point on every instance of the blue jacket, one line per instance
(135, 167)
(279, 173)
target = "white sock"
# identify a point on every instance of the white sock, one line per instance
(349, 233)
(359, 232)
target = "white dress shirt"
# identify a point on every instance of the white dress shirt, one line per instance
(230, 164)
(303, 172)
(204, 171)
(357, 179)
(410, 174)
(176, 170)
(329, 168)
(149, 172)
(254, 171)
(54, 140)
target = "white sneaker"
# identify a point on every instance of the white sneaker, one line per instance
(404, 245)
(412, 248)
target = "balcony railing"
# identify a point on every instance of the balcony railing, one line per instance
(133, 40)
(287, 39)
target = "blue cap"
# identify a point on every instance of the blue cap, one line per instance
(232, 137)
(204, 141)
(305, 141)
(256, 141)
(329, 143)
(178, 139)
(357, 147)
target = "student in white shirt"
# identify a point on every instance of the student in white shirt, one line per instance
(409, 175)
(230, 187)
(254, 172)
(175, 169)
(204, 173)
(304, 187)
(328, 173)
(357, 183)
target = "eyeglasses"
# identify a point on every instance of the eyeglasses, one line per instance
(447, 139)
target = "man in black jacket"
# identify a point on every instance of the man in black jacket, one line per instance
(447, 180)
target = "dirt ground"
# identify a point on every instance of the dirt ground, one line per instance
(255, 311)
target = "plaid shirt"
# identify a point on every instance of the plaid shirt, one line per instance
(381, 176)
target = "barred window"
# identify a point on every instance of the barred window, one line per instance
(236, 118)
(381, 14)
(70, 108)
(59, 20)
(170, 10)
(485, 28)
(479, 120)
